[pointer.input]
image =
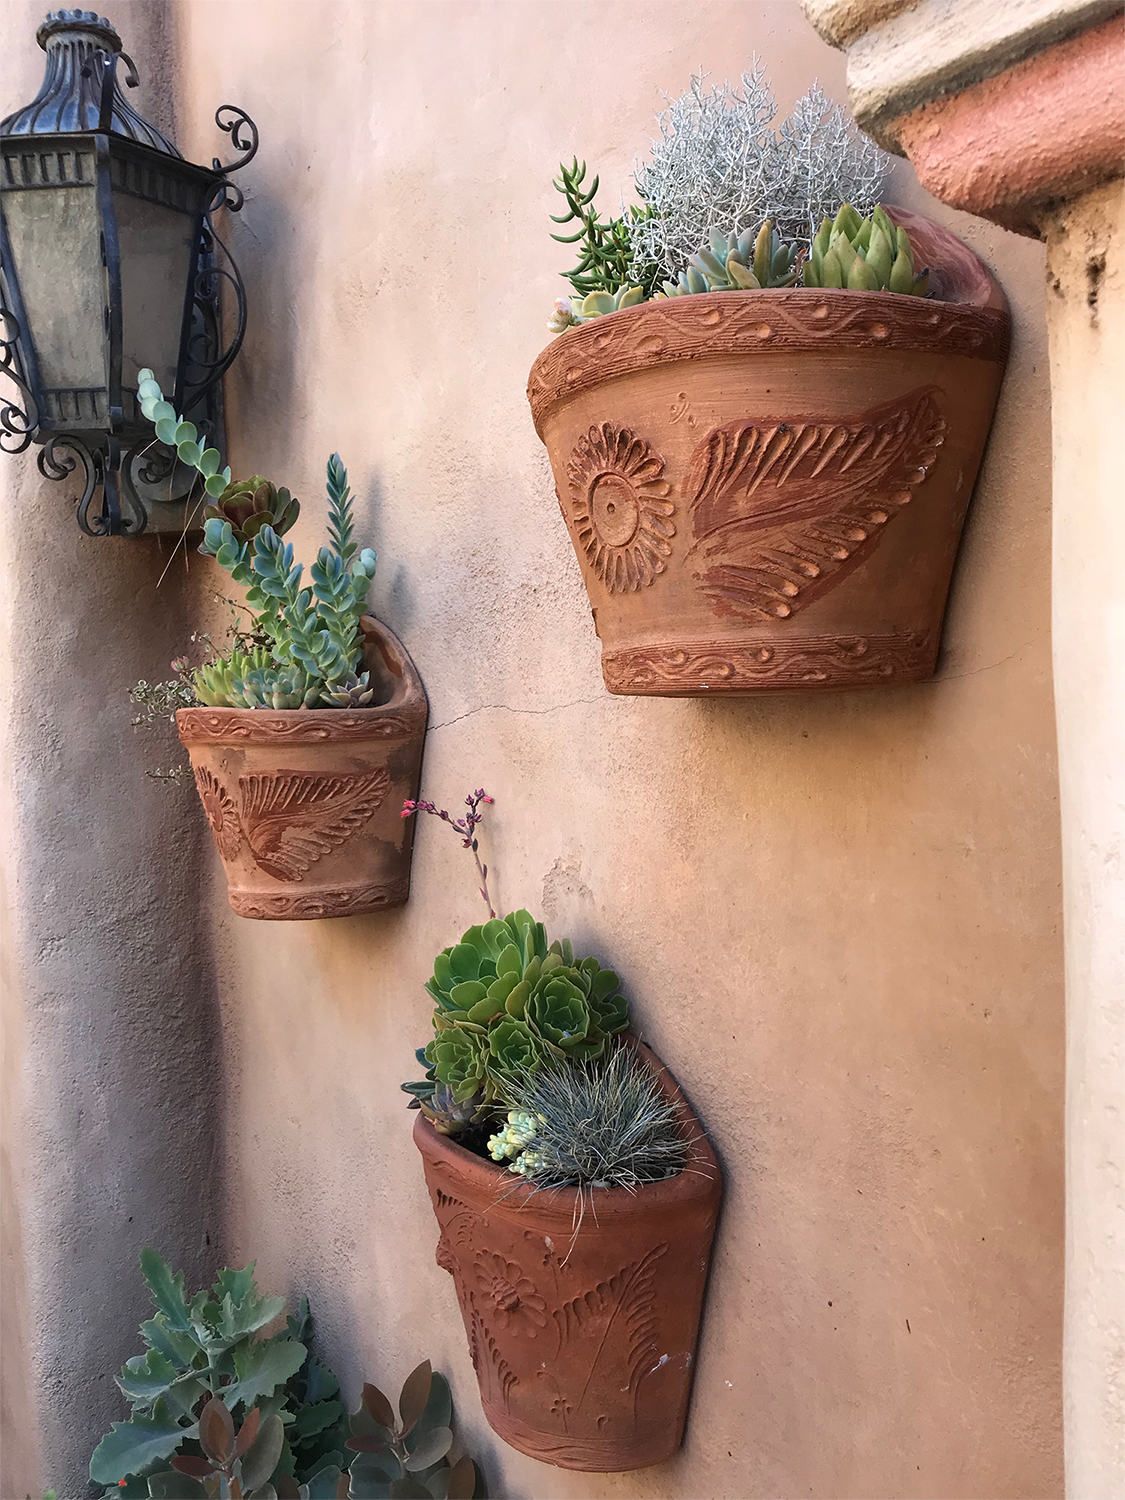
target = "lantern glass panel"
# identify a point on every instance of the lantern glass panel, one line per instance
(51, 216)
(158, 203)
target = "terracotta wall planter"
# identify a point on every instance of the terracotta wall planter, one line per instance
(766, 490)
(305, 804)
(584, 1352)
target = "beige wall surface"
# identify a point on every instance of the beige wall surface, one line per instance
(837, 916)
(112, 1063)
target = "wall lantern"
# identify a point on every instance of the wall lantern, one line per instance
(110, 262)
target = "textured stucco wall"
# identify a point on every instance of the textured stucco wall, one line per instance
(1086, 319)
(111, 1073)
(838, 917)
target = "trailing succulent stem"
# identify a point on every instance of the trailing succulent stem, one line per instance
(605, 257)
(309, 636)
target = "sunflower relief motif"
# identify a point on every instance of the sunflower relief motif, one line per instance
(510, 1297)
(619, 507)
(221, 812)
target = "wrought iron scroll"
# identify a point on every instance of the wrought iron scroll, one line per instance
(243, 133)
(17, 424)
(101, 468)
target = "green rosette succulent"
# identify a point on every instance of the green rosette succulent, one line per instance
(457, 1057)
(513, 1049)
(738, 262)
(250, 504)
(864, 255)
(274, 687)
(214, 680)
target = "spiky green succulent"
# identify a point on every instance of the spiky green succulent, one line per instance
(738, 262)
(275, 687)
(250, 504)
(506, 1003)
(214, 680)
(864, 255)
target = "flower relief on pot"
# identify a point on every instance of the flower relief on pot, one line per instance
(783, 511)
(619, 507)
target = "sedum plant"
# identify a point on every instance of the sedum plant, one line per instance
(606, 259)
(864, 255)
(309, 632)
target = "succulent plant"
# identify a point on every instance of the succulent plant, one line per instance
(348, 692)
(569, 312)
(605, 1122)
(738, 262)
(404, 1453)
(506, 1003)
(183, 436)
(214, 680)
(607, 262)
(864, 255)
(275, 687)
(250, 504)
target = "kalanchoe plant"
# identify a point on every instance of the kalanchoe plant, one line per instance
(208, 1347)
(406, 1454)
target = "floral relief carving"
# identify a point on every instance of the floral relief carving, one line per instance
(619, 507)
(291, 820)
(514, 1304)
(783, 511)
(221, 812)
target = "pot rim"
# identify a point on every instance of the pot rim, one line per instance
(713, 325)
(701, 1178)
(403, 715)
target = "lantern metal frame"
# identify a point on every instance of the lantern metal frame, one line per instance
(119, 455)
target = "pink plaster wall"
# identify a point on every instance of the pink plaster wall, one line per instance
(837, 916)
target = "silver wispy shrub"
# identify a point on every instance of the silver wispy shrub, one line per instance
(720, 164)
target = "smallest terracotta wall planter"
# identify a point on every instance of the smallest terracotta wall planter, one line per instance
(584, 1346)
(305, 804)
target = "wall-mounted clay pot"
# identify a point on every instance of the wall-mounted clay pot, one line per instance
(305, 805)
(583, 1345)
(766, 490)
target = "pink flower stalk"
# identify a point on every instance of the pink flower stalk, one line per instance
(465, 827)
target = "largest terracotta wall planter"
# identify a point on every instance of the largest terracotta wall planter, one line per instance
(583, 1345)
(305, 805)
(766, 490)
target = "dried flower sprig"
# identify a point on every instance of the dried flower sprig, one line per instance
(465, 826)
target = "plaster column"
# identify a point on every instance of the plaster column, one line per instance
(111, 1080)
(1017, 113)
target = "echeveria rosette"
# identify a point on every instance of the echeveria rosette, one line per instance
(250, 504)
(513, 1049)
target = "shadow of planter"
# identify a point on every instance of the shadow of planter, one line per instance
(766, 490)
(583, 1341)
(305, 804)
